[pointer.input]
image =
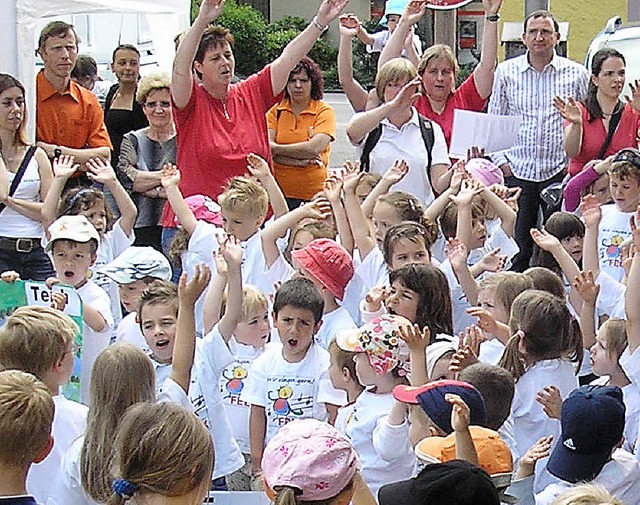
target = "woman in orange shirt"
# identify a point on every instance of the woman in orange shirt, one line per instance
(301, 129)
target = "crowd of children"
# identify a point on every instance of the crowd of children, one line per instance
(393, 322)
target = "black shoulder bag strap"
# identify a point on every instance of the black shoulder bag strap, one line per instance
(613, 125)
(369, 144)
(21, 170)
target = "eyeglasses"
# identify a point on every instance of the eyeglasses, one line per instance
(75, 348)
(544, 32)
(629, 155)
(162, 105)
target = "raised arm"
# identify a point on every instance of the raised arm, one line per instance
(232, 253)
(585, 284)
(182, 78)
(631, 299)
(413, 12)
(350, 27)
(333, 190)
(484, 72)
(170, 181)
(302, 44)
(357, 220)
(63, 168)
(316, 209)
(592, 172)
(591, 215)
(464, 224)
(259, 168)
(570, 111)
(213, 298)
(502, 209)
(184, 347)
(394, 174)
(101, 172)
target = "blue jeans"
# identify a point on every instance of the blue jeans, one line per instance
(34, 265)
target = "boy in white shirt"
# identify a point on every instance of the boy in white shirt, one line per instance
(73, 244)
(41, 341)
(290, 380)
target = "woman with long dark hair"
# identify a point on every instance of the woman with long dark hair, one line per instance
(20, 222)
(602, 125)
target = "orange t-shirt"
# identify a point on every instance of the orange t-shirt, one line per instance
(302, 182)
(72, 119)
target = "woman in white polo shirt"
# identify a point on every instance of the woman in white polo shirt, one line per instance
(404, 134)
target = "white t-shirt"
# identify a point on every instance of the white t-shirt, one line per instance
(128, 330)
(69, 423)
(231, 383)
(496, 239)
(212, 355)
(529, 421)
(380, 465)
(614, 229)
(112, 245)
(373, 270)
(407, 143)
(344, 416)
(610, 299)
(333, 323)
(381, 38)
(290, 391)
(93, 342)
(13, 223)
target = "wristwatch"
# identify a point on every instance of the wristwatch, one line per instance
(57, 152)
(492, 17)
(317, 24)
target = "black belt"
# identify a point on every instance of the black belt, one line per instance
(21, 245)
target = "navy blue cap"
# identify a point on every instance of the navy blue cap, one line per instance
(432, 400)
(592, 419)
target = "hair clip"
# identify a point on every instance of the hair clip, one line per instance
(124, 488)
(519, 334)
(79, 195)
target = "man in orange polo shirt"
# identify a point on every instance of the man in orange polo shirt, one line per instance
(69, 119)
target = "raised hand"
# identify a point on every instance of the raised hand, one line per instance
(586, 286)
(409, 93)
(544, 240)
(459, 175)
(190, 291)
(333, 189)
(170, 176)
(460, 413)
(396, 172)
(475, 152)
(551, 401)
(330, 10)
(634, 99)
(457, 253)
(351, 177)
(374, 298)
(414, 11)
(210, 10)
(349, 25)
(416, 340)
(319, 209)
(468, 190)
(493, 261)
(491, 6)
(64, 166)
(486, 321)
(569, 110)
(536, 452)
(100, 171)
(591, 212)
(634, 221)
(258, 167)
(231, 251)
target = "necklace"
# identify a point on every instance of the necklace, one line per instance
(615, 110)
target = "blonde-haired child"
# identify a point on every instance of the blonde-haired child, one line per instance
(26, 416)
(381, 364)
(40, 341)
(114, 238)
(161, 451)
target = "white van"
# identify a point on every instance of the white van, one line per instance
(624, 38)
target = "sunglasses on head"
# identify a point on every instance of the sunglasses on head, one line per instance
(629, 155)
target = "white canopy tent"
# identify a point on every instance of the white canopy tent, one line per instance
(19, 20)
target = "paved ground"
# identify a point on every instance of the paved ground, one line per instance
(341, 149)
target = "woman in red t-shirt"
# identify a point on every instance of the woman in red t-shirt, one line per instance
(587, 133)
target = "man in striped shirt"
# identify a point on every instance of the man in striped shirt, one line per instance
(525, 86)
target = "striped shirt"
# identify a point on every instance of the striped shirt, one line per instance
(520, 90)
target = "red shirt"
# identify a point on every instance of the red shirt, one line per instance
(212, 146)
(466, 97)
(594, 135)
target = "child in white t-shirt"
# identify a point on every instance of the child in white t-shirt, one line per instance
(114, 238)
(133, 271)
(382, 362)
(290, 380)
(157, 316)
(342, 373)
(41, 341)
(73, 242)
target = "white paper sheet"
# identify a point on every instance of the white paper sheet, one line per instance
(491, 132)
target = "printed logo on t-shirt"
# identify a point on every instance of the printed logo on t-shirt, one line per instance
(610, 253)
(289, 398)
(232, 382)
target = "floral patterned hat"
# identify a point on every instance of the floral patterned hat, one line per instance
(380, 339)
(311, 456)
